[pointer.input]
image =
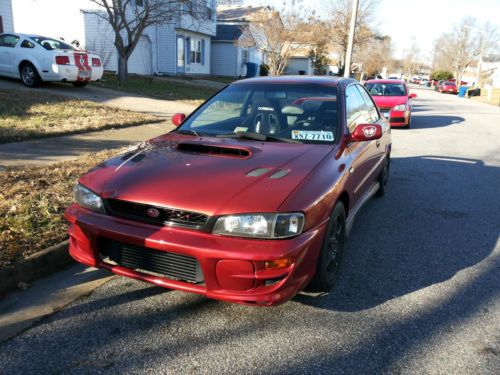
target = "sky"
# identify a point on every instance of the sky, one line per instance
(425, 20)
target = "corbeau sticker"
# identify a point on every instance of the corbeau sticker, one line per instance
(311, 135)
(369, 131)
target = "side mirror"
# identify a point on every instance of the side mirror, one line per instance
(366, 132)
(412, 95)
(178, 119)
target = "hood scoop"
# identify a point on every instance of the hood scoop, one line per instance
(213, 150)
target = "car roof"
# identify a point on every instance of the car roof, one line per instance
(318, 80)
(385, 81)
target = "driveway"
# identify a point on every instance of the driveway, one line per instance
(112, 98)
(418, 292)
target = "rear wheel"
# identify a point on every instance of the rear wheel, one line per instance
(331, 251)
(80, 83)
(29, 75)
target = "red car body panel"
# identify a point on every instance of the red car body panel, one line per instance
(166, 173)
(387, 103)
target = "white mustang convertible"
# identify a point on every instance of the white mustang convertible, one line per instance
(36, 59)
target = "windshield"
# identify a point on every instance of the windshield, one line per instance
(449, 83)
(51, 44)
(386, 89)
(297, 112)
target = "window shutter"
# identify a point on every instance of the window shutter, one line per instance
(203, 52)
(188, 51)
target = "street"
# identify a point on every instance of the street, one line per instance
(419, 289)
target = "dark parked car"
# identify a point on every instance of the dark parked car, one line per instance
(249, 200)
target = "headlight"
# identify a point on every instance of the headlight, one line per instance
(260, 225)
(88, 199)
(400, 107)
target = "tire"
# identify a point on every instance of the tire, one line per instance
(80, 83)
(331, 251)
(29, 75)
(409, 123)
(383, 177)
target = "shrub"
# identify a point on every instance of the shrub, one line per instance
(264, 70)
(441, 75)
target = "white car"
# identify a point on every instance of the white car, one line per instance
(36, 59)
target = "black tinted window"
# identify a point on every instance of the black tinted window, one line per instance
(27, 44)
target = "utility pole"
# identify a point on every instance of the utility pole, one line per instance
(352, 30)
(480, 62)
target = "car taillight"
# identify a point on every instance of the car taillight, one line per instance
(96, 62)
(62, 60)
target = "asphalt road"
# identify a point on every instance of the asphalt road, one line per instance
(419, 290)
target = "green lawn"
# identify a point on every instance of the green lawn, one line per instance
(158, 88)
(29, 114)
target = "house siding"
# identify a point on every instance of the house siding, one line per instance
(6, 14)
(225, 56)
(95, 34)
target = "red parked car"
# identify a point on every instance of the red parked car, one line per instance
(249, 200)
(447, 87)
(393, 100)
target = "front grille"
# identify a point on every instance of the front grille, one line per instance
(165, 216)
(384, 109)
(171, 265)
(397, 119)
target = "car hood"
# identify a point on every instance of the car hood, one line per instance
(389, 101)
(207, 175)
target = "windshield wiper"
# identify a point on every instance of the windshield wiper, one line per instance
(188, 132)
(258, 137)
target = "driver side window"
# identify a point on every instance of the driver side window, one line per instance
(372, 110)
(356, 110)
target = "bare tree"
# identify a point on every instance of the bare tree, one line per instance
(340, 18)
(375, 55)
(130, 18)
(274, 34)
(460, 48)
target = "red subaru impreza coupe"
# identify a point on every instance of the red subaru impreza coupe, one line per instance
(249, 200)
(393, 99)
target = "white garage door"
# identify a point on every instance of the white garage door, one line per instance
(140, 61)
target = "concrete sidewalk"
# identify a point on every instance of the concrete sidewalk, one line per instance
(112, 98)
(51, 150)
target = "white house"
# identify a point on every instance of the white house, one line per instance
(229, 54)
(6, 20)
(181, 47)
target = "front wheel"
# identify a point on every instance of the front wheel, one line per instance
(384, 177)
(80, 83)
(30, 76)
(331, 251)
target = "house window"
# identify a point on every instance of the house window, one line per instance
(196, 51)
(244, 56)
(1, 25)
(139, 3)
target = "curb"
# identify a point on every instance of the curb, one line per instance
(36, 265)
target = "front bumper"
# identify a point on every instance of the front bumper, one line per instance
(233, 268)
(399, 118)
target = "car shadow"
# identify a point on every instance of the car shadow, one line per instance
(434, 121)
(439, 217)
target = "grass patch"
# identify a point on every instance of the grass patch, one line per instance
(32, 203)
(158, 88)
(27, 115)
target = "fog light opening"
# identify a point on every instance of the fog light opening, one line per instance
(279, 264)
